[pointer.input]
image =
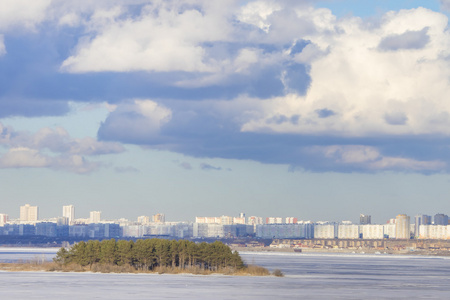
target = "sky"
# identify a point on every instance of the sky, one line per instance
(319, 110)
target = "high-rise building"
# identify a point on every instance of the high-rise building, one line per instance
(69, 213)
(29, 213)
(402, 230)
(239, 220)
(226, 220)
(143, 219)
(365, 219)
(274, 220)
(3, 219)
(291, 220)
(253, 220)
(421, 220)
(95, 216)
(159, 218)
(440, 219)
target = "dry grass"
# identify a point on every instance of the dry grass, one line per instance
(251, 270)
(277, 273)
(254, 270)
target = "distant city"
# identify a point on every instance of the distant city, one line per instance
(400, 227)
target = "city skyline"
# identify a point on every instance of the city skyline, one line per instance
(399, 228)
(30, 214)
(324, 109)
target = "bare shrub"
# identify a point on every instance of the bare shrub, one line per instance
(277, 273)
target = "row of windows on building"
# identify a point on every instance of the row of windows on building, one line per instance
(203, 230)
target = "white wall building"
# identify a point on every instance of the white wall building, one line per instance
(348, 232)
(274, 220)
(389, 230)
(208, 220)
(159, 218)
(29, 213)
(402, 228)
(372, 231)
(434, 232)
(253, 220)
(69, 213)
(325, 231)
(95, 216)
(143, 219)
(3, 219)
(240, 220)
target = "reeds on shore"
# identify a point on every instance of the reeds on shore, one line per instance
(32, 266)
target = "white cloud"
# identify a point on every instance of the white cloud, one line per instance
(32, 158)
(51, 148)
(370, 91)
(370, 158)
(166, 37)
(22, 13)
(139, 118)
(23, 157)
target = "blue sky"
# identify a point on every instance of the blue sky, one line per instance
(320, 110)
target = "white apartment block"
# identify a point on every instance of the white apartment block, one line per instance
(291, 220)
(284, 231)
(325, 231)
(348, 232)
(402, 228)
(389, 230)
(223, 220)
(226, 220)
(159, 218)
(95, 216)
(274, 220)
(208, 230)
(208, 220)
(29, 213)
(3, 219)
(69, 213)
(434, 232)
(372, 231)
(240, 220)
(255, 220)
(143, 219)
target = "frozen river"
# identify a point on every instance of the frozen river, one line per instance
(308, 276)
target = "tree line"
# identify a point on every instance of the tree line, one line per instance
(148, 254)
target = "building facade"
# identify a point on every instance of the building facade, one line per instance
(29, 213)
(402, 230)
(69, 213)
(95, 217)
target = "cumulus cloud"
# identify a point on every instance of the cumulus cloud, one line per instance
(260, 80)
(371, 91)
(367, 157)
(23, 157)
(363, 89)
(136, 120)
(22, 13)
(217, 43)
(167, 36)
(51, 148)
(407, 40)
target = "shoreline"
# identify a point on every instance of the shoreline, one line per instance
(443, 253)
(51, 267)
